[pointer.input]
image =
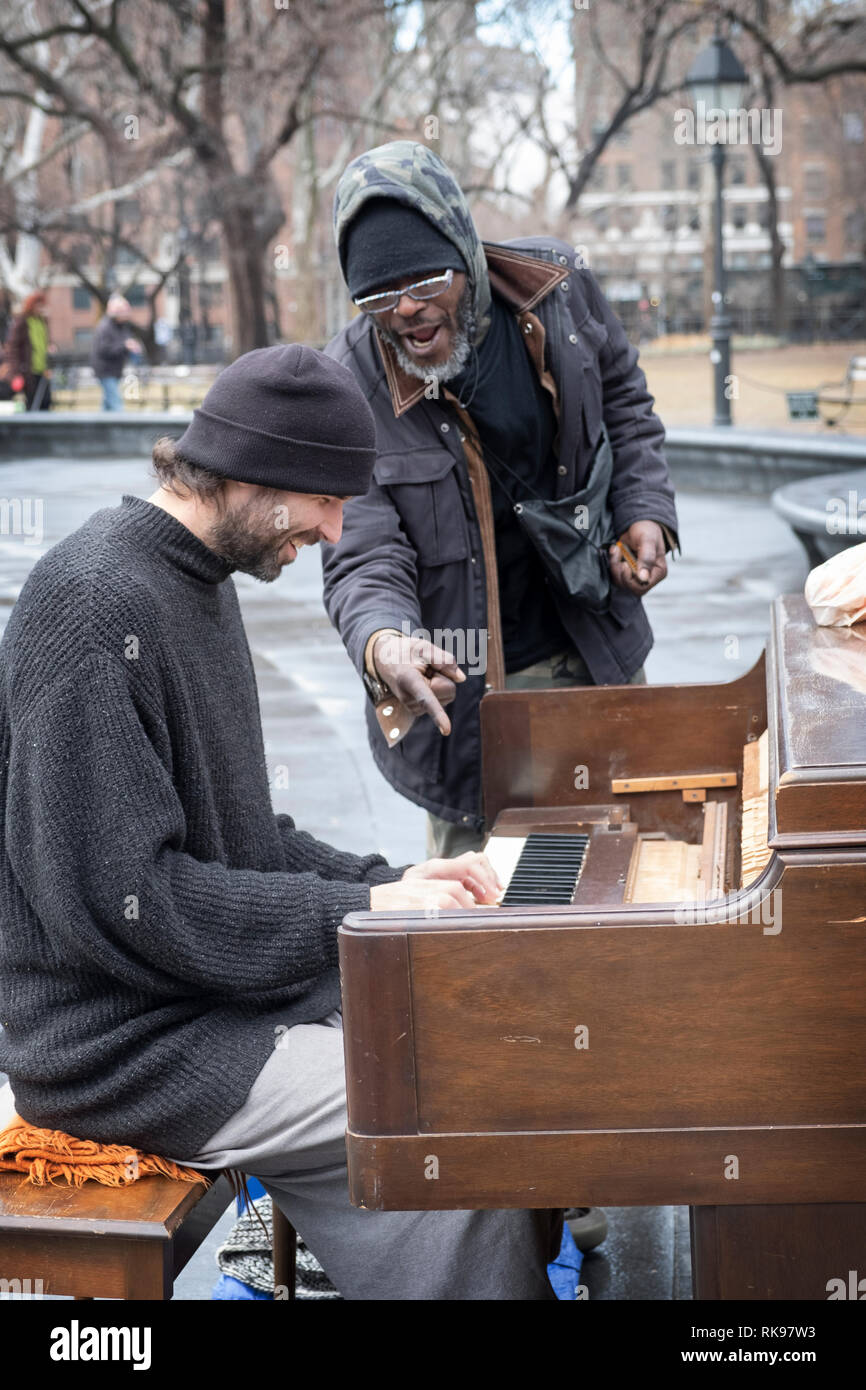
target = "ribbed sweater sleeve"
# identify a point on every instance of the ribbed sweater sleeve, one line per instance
(94, 834)
(302, 851)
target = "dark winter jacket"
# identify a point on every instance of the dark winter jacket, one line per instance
(108, 353)
(411, 548)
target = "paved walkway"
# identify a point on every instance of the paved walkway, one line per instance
(710, 619)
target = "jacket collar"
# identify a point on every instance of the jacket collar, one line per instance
(520, 279)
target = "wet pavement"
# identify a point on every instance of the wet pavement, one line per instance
(710, 619)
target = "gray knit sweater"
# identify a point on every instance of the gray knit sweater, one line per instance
(158, 922)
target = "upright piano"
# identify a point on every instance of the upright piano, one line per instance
(668, 1007)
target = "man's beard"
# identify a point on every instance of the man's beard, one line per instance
(247, 538)
(464, 337)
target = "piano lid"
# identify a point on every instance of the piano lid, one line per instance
(816, 689)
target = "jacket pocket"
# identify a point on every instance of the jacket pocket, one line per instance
(424, 489)
(624, 606)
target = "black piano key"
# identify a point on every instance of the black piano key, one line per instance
(547, 871)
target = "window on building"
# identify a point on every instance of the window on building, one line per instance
(738, 168)
(83, 339)
(210, 249)
(81, 298)
(601, 219)
(695, 221)
(623, 176)
(814, 181)
(668, 173)
(127, 210)
(852, 127)
(813, 135)
(598, 177)
(670, 217)
(816, 226)
(855, 229)
(135, 296)
(625, 220)
(738, 216)
(623, 137)
(693, 174)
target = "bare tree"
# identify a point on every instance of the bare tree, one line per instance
(792, 45)
(227, 81)
(655, 70)
(803, 43)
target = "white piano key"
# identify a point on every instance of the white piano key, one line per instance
(503, 851)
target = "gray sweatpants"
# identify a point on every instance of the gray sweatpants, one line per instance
(290, 1134)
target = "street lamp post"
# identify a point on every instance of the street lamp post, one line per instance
(716, 81)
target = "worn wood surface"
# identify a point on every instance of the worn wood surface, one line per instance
(607, 1168)
(777, 1252)
(102, 1242)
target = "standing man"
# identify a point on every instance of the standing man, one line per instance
(490, 369)
(111, 343)
(168, 945)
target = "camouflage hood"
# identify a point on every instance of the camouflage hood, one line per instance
(411, 173)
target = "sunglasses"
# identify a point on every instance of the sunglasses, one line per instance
(422, 289)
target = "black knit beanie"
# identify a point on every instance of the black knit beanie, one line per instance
(289, 418)
(388, 240)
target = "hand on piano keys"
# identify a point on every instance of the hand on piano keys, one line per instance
(467, 881)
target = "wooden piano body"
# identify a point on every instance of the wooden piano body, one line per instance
(613, 1051)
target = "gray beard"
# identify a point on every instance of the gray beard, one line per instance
(467, 326)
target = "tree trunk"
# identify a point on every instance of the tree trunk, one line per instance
(306, 198)
(777, 245)
(249, 211)
(778, 315)
(246, 280)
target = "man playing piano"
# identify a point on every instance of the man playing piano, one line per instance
(490, 369)
(168, 946)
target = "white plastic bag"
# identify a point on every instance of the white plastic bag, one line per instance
(836, 590)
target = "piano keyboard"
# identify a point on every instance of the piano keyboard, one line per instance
(539, 870)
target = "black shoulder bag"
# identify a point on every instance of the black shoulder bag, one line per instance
(572, 535)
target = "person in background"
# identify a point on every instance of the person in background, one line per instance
(162, 336)
(111, 343)
(6, 314)
(26, 353)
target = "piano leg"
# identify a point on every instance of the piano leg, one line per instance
(779, 1252)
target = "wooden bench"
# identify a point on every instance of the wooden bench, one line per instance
(113, 1242)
